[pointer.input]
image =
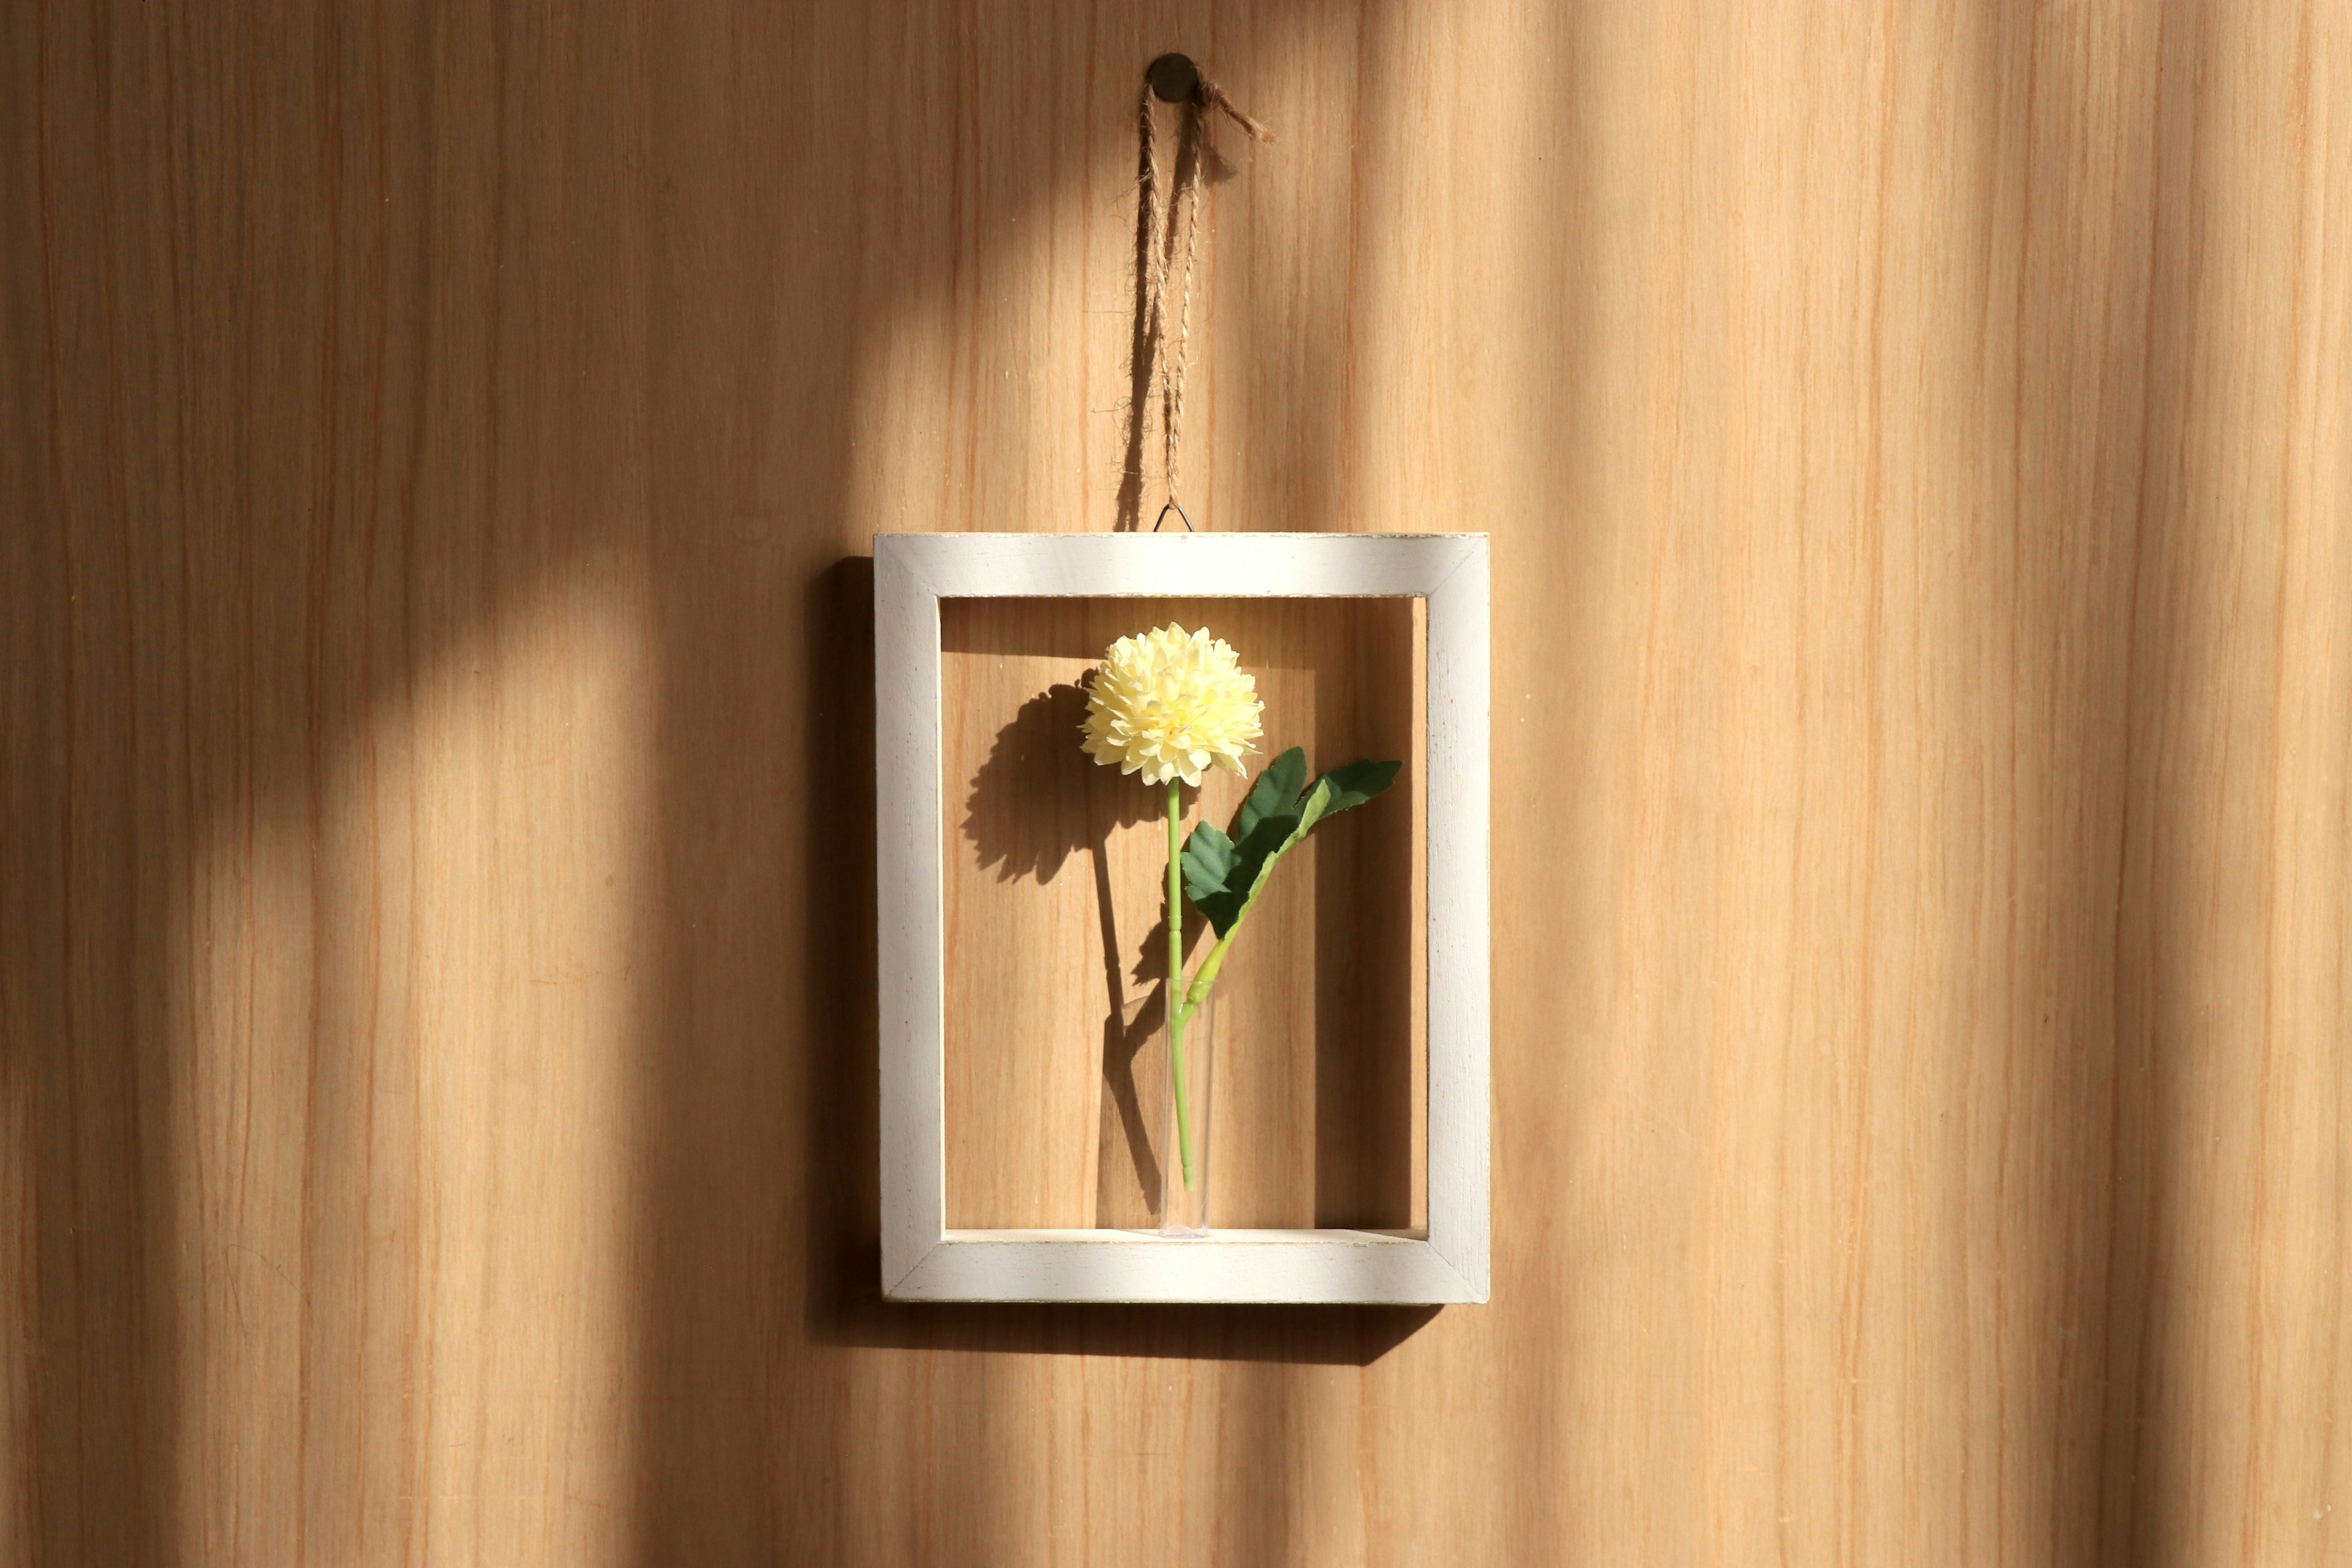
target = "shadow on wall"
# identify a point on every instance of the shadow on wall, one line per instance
(1036, 759)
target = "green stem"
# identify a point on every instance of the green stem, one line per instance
(1179, 1008)
(1206, 975)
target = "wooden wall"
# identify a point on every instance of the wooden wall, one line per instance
(437, 1028)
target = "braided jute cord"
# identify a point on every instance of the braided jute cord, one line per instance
(1163, 240)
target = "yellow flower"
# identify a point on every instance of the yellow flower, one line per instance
(1169, 704)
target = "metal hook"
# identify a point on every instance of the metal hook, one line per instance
(1174, 78)
(1164, 511)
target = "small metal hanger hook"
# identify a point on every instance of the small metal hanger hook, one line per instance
(1164, 511)
(1174, 78)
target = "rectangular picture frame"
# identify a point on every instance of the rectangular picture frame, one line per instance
(923, 1260)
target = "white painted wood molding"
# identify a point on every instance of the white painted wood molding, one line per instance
(922, 1260)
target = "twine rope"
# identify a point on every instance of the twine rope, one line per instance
(1168, 239)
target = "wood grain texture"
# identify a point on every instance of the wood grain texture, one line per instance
(1057, 941)
(436, 447)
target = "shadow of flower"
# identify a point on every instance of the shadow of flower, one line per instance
(1038, 798)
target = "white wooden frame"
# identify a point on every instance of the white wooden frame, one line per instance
(922, 1260)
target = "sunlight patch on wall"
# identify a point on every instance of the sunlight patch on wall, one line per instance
(413, 1108)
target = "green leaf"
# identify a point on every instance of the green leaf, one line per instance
(1349, 785)
(1276, 794)
(1222, 873)
(1221, 876)
(1208, 862)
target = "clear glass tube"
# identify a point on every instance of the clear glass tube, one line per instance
(1185, 1128)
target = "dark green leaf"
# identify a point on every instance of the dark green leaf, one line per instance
(1276, 794)
(1222, 873)
(1349, 785)
(1208, 861)
(1221, 877)
(1358, 782)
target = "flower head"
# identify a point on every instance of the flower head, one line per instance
(1170, 703)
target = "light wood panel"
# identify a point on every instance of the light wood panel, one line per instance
(437, 1068)
(1058, 938)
